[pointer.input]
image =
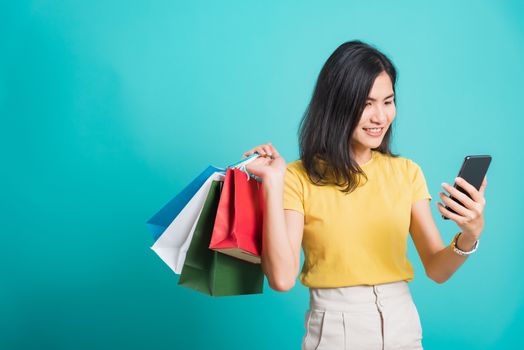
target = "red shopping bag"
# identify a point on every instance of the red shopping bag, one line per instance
(238, 223)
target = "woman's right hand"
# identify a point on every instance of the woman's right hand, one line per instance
(269, 164)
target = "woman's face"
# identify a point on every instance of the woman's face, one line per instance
(379, 113)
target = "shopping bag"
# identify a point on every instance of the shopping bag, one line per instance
(211, 272)
(238, 223)
(161, 220)
(172, 245)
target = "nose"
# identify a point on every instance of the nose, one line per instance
(380, 116)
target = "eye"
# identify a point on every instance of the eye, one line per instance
(368, 104)
(389, 102)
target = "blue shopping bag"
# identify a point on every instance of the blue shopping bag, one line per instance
(163, 218)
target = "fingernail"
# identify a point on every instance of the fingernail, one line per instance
(443, 184)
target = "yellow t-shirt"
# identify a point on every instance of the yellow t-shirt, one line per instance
(358, 238)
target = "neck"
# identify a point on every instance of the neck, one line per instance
(362, 156)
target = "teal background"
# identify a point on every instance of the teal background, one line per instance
(109, 108)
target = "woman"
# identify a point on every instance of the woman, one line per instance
(350, 203)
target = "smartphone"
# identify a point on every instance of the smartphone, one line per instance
(473, 170)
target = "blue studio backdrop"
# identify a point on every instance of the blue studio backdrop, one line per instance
(109, 108)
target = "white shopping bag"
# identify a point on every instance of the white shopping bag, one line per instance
(174, 242)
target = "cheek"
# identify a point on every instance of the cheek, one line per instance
(392, 113)
(364, 120)
(358, 133)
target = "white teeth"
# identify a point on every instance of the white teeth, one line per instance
(374, 129)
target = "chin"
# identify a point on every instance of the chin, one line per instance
(373, 143)
(365, 141)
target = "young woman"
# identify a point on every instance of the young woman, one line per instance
(350, 202)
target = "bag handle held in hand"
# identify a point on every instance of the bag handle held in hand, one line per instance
(241, 164)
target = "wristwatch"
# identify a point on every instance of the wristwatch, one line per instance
(461, 252)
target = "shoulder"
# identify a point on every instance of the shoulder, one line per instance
(296, 169)
(400, 164)
(397, 160)
(295, 163)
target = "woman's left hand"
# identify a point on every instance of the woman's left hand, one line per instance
(470, 215)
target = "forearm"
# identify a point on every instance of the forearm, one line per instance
(444, 263)
(278, 260)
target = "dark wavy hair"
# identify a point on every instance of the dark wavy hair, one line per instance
(334, 112)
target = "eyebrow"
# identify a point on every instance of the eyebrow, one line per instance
(372, 99)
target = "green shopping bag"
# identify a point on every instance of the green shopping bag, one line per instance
(215, 273)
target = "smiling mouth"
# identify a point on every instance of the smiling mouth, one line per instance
(373, 131)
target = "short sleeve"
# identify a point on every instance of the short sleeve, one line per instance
(293, 190)
(419, 188)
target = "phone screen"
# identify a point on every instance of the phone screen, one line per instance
(473, 170)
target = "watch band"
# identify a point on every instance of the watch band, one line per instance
(462, 252)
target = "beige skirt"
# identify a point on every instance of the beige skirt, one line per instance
(378, 317)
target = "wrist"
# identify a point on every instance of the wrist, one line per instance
(455, 247)
(466, 242)
(272, 181)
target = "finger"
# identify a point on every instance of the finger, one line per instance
(473, 192)
(260, 161)
(261, 151)
(463, 198)
(457, 207)
(251, 152)
(248, 153)
(483, 186)
(276, 154)
(267, 149)
(448, 214)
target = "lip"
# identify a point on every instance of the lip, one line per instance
(374, 134)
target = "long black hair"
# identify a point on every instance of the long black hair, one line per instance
(334, 112)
